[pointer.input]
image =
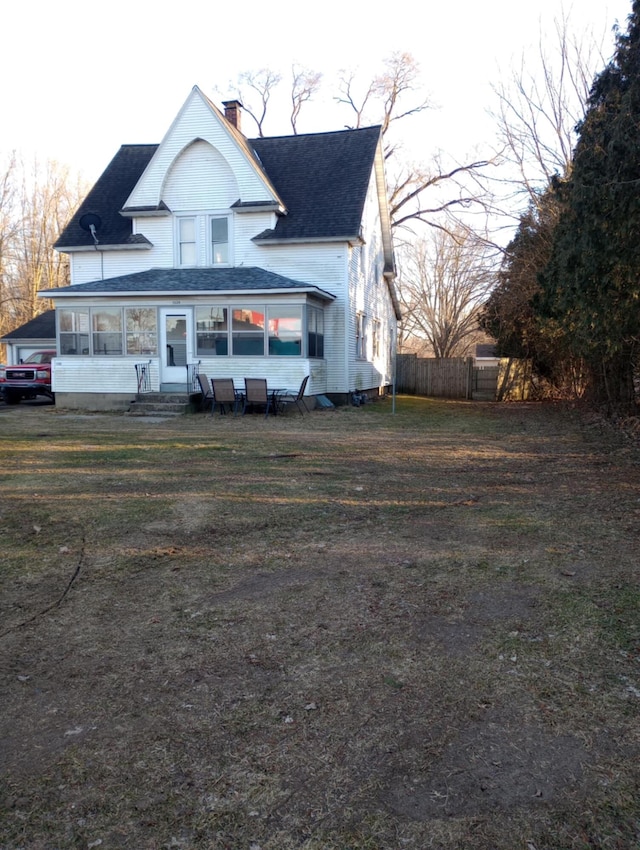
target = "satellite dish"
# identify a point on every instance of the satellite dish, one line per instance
(90, 222)
(89, 219)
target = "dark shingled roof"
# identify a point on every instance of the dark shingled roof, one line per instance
(42, 327)
(322, 179)
(238, 279)
(107, 198)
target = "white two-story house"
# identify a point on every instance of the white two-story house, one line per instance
(236, 257)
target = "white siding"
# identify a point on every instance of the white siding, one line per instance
(369, 295)
(200, 179)
(87, 266)
(99, 374)
(245, 227)
(197, 120)
(201, 168)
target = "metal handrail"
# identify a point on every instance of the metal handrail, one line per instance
(193, 370)
(143, 374)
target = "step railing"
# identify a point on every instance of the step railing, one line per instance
(193, 370)
(143, 376)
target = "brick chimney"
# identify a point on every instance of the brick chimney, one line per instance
(232, 112)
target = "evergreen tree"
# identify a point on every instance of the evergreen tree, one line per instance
(591, 285)
(508, 315)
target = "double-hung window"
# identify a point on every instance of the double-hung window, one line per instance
(361, 349)
(219, 228)
(375, 338)
(187, 242)
(191, 231)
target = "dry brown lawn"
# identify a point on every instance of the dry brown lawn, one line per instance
(353, 630)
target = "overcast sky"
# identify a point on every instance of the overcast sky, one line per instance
(80, 78)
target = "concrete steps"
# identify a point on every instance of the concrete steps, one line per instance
(164, 404)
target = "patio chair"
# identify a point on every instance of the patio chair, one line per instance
(256, 395)
(207, 392)
(296, 398)
(225, 394)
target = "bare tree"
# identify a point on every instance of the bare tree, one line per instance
(305, 84)
(419, 193)
(540, 104)
(433, 195)
(385, 98)
(445, 277)
(45, 197)
(8, 232)
(261, 84)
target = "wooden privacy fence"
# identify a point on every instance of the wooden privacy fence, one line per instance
(458, 377)
(434, 376)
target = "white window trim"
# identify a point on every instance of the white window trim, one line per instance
(202, 225)
(361, 336)
(209, 254)
(177, 243)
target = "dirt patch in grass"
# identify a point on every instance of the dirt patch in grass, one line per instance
(353, 630)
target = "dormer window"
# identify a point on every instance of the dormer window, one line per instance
(203, 239)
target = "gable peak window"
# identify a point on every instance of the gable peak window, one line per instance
(187, 242)
(203, 239)
(219, 240)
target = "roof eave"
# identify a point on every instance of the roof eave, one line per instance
(161, 211)
(173, 293)
(302, 240)
(242, 208)
(121, 246)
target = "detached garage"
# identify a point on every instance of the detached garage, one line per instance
(34, 335)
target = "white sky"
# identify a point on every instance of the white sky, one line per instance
(78, 78)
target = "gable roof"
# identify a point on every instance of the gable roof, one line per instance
(235, 280)
(40, 327)
(106, 199)
(322, 178)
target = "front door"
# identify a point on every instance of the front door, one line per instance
(176, 345)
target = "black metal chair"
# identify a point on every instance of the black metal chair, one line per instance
(296, 398)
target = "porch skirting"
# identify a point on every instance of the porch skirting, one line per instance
(94, 401)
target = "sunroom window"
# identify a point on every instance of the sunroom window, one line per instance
(248, 331)
(73, 329)
(285, 331)
(142, 330)
(315, 332)
(212, 331)
(107, 331)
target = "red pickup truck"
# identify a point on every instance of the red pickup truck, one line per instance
(29, 379)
